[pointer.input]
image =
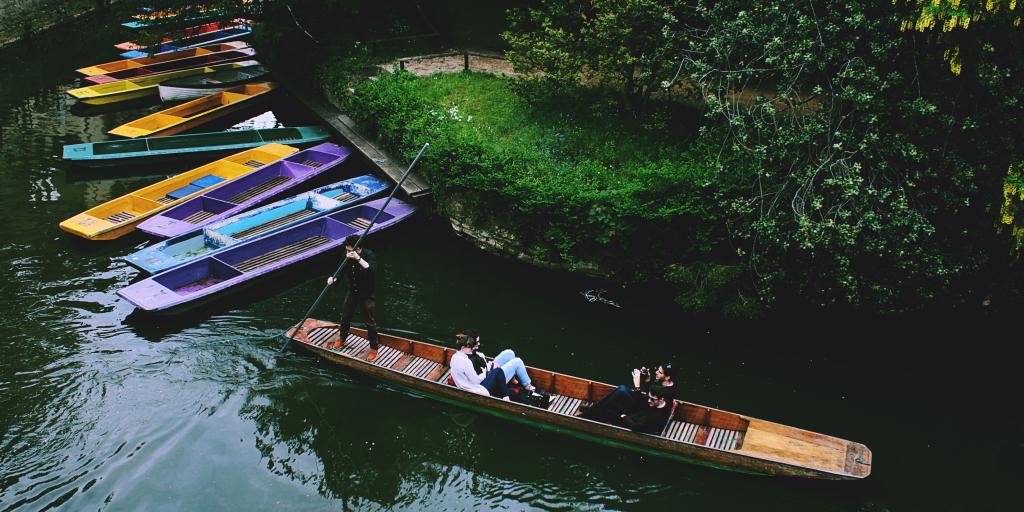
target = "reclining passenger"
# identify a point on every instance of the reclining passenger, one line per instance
(506, 359)
(652, 418)
(626, 400)
(492, 379)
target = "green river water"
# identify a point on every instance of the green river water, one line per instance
(101, 409)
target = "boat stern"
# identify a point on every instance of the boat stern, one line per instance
(87, 226)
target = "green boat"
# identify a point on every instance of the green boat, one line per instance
(198, 145)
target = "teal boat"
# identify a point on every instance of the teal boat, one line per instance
(198, 145)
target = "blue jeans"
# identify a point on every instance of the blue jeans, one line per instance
(512, 365)
(495, 382)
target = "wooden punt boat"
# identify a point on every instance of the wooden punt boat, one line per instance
(245, 192)
(120, 216)
(116, 66)
(187, 32)
(695, 433)
(195, 113)
(135, 88)
(191, 284)
(197, 86)
(209, 59)
(174, 147)
(216, 36)
(255, 223)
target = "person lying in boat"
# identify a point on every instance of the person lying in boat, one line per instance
(630, 399)
(651, 418)
(513, 366)
(493, 378)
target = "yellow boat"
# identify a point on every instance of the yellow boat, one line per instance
(194, 113)
(133, 88)
(120, 216)
(123, 64)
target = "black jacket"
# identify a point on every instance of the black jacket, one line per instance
(362, 281)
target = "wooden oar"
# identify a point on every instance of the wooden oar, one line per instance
(344, 261)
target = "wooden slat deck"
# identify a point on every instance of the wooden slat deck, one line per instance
(166, 199)
(281, 253)
(255, 164)
(344, 197)
(312, 163)
(267, 226)
(565, 405)
(245, 195)
(359, 223)
(199, 216)
(120, 217)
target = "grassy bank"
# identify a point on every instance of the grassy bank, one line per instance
(572, 180)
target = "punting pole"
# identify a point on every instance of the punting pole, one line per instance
(344, 261)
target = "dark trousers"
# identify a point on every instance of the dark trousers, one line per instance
(495, 383)
(365, 305)
(621, 401)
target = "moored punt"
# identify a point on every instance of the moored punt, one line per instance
(194, 113)
(695, 433)
(255, 223)
(120, 216)
(126, 64)
(245, 192)
(197, 86)
(216, 36)
(186, 32)
(134, 88)
(154, 18)
(159, 149)
(240, 53)
(191, 284)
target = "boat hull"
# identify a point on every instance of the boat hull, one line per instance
(196, 112)
(255, 223)
(578, 427)
(200, 281)
(222, 144)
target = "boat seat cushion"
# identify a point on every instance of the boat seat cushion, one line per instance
(207, 181)
(184, 191)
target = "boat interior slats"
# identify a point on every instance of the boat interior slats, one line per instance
(312, 163)
(199, 216)
(359, 223)
(345, 197)
(444, 376)
(246, 195)
(354, 345)
(387, 356)
(255, 164)
(565, 405)
(321, 335)
(680, 431)
(267, 226)
(281, 253)
(120, 217)
(166, 199)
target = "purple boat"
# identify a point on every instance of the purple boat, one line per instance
(188, 285)
(247, 191)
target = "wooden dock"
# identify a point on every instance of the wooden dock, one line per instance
(415, 186)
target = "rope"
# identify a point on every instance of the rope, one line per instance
(344, 261)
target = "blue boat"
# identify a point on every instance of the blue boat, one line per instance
(236, 267)
(217, 36)
(196, 145)
(254, 224)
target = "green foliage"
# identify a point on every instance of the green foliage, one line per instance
(709, 287)
(628, 44)
(871, 164)
(575, 187)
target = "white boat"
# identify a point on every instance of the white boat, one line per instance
(212, 83)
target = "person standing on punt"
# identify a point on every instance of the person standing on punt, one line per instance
(360, 275)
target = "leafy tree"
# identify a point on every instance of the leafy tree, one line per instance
(872, 168)
(629, 44)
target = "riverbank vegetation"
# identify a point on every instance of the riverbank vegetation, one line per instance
(751, 154)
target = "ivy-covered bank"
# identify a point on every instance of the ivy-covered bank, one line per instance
(565, 179)
(842, 154)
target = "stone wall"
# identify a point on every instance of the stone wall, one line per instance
(21, 18)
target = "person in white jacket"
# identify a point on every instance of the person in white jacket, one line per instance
(492, 381)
